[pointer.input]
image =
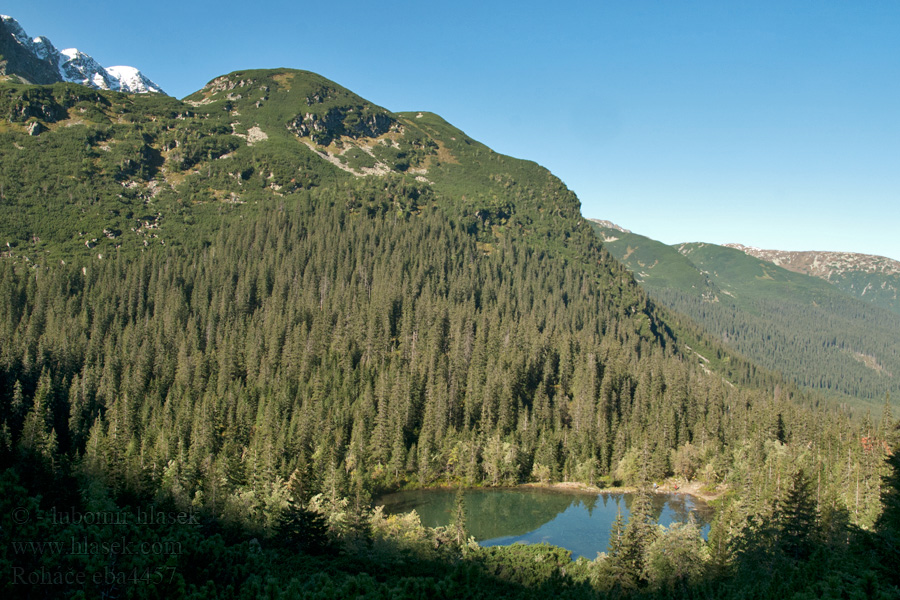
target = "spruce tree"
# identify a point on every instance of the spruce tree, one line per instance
(458, 526)
(888, 523)
(639, 533)
(795, 514)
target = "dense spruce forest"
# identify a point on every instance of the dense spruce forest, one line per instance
(213, 416)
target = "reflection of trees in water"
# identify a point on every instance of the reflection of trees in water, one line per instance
(590, 503)
(493, 514)
(501, 513)
(683, 508)
(489, 513)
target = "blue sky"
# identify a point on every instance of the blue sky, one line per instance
(773, 124)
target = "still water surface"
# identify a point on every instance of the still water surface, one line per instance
(577, 521)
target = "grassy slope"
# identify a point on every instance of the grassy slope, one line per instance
(877, 288)
(654, 264)
(748, 279)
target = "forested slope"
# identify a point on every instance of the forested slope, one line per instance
(815, 334)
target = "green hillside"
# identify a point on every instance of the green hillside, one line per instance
(116, 173)
(879, 289)
(802, 326)
(655, 265)
(750, 278)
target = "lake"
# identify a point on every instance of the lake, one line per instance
(577, 521)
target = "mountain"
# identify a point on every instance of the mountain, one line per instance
(815, 333)
(351, 268)
(249, 137)
(264, 305)
(37, 61)
(875, 279)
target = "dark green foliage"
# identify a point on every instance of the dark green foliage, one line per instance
(795, 517)
(640, 532)
(889, 520)
(888, 523)
(458, 526)
(301, 530)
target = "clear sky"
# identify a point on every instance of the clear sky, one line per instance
(773, 124)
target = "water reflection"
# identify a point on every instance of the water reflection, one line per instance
(577, 521)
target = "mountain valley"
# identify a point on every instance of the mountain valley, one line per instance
(816, 333)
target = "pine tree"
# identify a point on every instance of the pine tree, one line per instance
(639, 533)
(37, 435)
(458, 525)
(795, 515)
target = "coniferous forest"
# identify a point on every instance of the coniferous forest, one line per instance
(215, 416)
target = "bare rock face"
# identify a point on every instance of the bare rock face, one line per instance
(354, 122)
(34, 128)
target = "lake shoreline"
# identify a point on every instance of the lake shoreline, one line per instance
(692, 488)
(671, 486)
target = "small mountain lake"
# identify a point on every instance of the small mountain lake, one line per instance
(578, 521)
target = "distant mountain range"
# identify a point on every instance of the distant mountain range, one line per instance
(36, 60)
(875, 279)
(829, 321)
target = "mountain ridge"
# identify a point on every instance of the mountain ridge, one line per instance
(822, 263)
(870, 277)
(38, 61)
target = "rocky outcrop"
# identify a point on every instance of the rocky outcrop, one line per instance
(49, 105)
(35, 128)
(354, 122)
(609, 225)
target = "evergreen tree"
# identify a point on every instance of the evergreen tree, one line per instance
(795, 516)
(302, 530)
(639, 534)
(458, 524)
(888, 523)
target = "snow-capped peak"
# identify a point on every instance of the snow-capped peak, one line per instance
(43, 49)
(77, 67)
(133, 81)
